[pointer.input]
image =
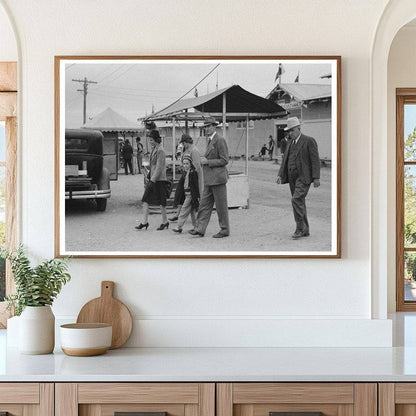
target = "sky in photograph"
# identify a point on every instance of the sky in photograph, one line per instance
(133, 88)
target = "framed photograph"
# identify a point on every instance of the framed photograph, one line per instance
(198, 156)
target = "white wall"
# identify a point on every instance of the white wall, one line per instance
(401, 74)
(8, 46)
(211, 302)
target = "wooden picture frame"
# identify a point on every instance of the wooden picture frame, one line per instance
(251, 97)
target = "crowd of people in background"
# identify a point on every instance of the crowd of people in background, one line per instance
(269, 148)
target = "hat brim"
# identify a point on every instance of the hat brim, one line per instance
(290, 128)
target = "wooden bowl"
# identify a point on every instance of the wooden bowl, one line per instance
(84, 340)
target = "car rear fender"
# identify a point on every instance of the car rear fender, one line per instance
(104, 180)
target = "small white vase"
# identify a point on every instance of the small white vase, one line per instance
(37, 330)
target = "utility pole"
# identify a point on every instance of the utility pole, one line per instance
(85, 91)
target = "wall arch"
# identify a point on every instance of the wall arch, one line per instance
(9, 48)
(396, 14)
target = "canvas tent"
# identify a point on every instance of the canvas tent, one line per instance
(235, 103)
(228, 104)
(111, 121)
(113, 124)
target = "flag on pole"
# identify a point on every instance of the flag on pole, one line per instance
(279, 73)
(297, 78)
(196, 92)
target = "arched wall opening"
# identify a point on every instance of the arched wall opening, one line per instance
(8, 44)
(401, 74)
(9, 53)
(397, 14)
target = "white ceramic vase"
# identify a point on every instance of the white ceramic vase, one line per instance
(37, 330)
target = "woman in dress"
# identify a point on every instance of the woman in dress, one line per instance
(157, 187)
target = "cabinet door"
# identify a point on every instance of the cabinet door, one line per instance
(27, 399)
(144, 399)
(397, 399)
(296, 399)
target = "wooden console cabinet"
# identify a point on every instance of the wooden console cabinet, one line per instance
(27, 399)
(331, 399)
(230, 399)
(208, 399)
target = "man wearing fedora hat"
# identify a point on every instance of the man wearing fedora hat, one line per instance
(215, 174)
(300, 167)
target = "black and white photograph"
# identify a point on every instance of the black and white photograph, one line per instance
(198, 156)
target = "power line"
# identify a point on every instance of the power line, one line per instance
(125, 94)
(72, 101)
(180, 98)
(139, 89)
(127, 98)
(111, 73)
(117, 77)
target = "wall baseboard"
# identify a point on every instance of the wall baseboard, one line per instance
(258, 332)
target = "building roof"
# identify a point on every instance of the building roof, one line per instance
(239, 103)
(303, 92)
(110, 120)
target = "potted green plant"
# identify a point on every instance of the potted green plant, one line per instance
(36, 289)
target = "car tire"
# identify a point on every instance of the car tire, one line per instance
(101, 204)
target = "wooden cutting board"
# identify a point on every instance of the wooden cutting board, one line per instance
(107, 309)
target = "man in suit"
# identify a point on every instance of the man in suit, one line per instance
(215, 175)
(127, 156)
(300, 167)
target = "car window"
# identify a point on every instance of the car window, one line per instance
(76, 144)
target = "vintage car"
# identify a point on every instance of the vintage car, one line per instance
(85, 174)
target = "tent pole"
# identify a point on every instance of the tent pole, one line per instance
(173, 148)
(224, 109)
(247, 144)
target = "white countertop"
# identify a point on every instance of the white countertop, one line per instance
(213, 364)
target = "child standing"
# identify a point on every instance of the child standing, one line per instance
(189, 188)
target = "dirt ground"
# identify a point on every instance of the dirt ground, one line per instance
(266, 226)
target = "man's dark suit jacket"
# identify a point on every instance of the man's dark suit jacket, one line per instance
(308, 163)
(215, 173)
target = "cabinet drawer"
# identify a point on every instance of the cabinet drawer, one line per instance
(21, 399)
(296, 399)
(19, 393)
(397, 399)
(106, 399)
(138, 393)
